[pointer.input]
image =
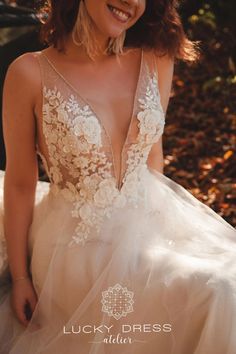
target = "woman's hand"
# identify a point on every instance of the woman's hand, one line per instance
(23, 300)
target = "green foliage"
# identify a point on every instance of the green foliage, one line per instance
(219, 84)
(212, 22)
(205, 16)
(216, 14)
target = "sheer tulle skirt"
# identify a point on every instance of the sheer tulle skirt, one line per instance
(156, 280)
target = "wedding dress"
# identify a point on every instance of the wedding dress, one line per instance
(123, 259)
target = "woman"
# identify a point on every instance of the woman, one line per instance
(116, 257)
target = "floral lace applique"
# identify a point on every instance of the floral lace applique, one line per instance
(74, 139)
(151, 117)
(73, 136)
(151, 124)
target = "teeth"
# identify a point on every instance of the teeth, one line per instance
(119, 13)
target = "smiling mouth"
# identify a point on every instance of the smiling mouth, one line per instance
(119, 14)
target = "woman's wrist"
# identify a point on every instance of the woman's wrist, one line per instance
(20, 278)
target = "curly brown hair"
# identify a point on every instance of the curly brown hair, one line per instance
(160, 28)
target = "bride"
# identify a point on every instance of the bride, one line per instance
(111, 256)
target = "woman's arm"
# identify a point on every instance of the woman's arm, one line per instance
(21, 166)
(165, 67)
(21, 88)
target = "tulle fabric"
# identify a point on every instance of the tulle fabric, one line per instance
(177, 258)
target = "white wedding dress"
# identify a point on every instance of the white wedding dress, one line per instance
(124, 261)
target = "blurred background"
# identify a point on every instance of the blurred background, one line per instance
(200, 133)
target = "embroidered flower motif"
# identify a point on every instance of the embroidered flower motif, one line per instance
(70, 192)
(151, 117)
(106, 193)
(151, 124)
(62, 115)
(55, 175)
(92, 130)
(53, 100)
(89, 186)
(89, 128)
(131, 183)
(54, 97)
(83, 145)
(52, 135)
(85, 213)
(81, 161)
(79, 166)
(47, 113)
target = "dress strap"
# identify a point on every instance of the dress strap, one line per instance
(49, 77)
(152, 75)
(155, 66)
(151, 64)
(42, 67)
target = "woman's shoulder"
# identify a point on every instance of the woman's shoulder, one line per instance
(25, 66)
(157, 60)
(24, 72)
(25, 60)
(162, 58)
(26, 69)
(163, 64)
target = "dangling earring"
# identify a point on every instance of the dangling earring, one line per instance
(83, 34)
(116, 45)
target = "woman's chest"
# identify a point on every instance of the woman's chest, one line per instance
(114, 109)
(111, 98)
(111, 94)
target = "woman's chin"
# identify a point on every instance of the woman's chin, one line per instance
(112, 31)
(114, 34)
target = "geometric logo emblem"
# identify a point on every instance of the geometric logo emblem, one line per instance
(117, 301)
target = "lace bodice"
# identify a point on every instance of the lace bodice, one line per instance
(77, 152)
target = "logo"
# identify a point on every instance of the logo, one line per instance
(117, 301)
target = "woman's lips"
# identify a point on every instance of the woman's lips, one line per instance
(119, 14)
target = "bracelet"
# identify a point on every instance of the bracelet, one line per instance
(20, 278)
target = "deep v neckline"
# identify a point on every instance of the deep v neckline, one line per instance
(118, 174)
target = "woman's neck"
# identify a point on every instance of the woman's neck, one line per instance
(75, 51)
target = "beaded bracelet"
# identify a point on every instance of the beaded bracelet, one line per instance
(20, 278)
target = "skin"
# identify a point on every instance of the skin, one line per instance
(21, 117)
(105, 24)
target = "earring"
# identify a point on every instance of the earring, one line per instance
(82, 30)
(83, 34)
(116, 45)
